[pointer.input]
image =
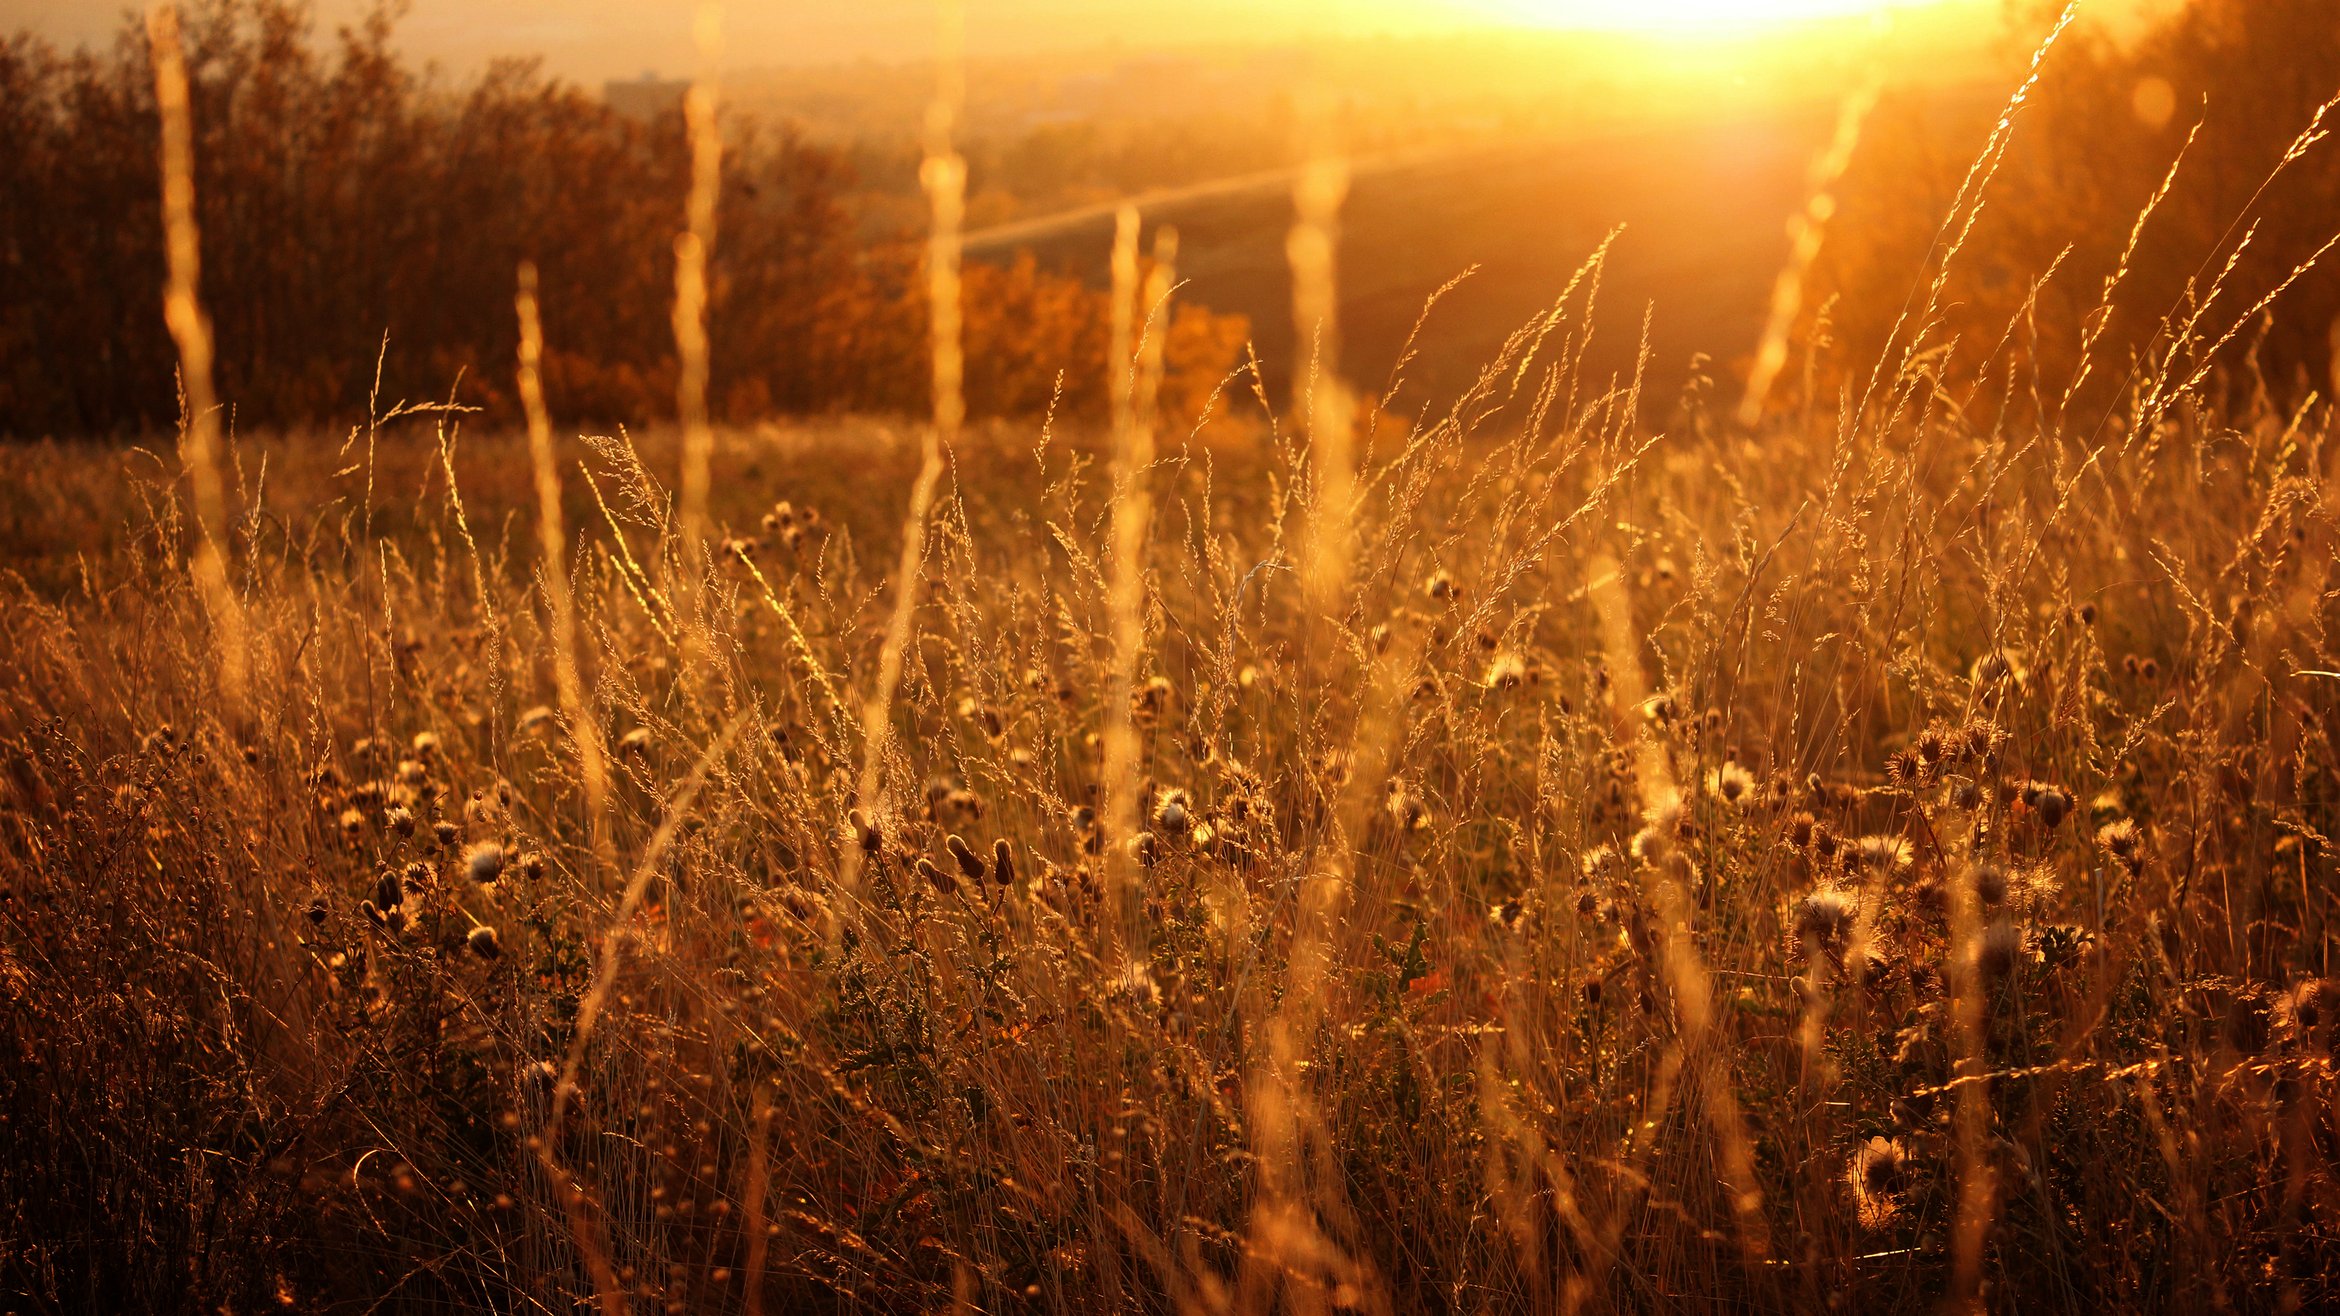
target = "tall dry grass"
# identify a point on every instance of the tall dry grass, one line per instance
(1870, 865)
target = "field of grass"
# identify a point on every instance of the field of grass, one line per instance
(1510, 860)
(1800, 869)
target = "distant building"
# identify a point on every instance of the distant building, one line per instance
(646, 97)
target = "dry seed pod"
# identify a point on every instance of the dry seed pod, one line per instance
(1003, 863)
(969, 862)
(865, 832)
(940, 880)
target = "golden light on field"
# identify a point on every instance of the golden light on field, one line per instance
(1691, 17)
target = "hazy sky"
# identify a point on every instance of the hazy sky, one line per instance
(613, 38)
(593, 39)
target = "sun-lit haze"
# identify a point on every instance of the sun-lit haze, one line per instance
(602, 39)
(1696, 17)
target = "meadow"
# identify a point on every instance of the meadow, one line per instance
(1405, 850)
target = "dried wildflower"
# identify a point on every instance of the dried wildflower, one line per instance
(388, 892)
(1880, 1166)
(484, 862)
(1506, 671)
(2120, 837)
(1155, 695)
(1990, 885)
(1732, 782)
(483, 943)
(2304, 1014)
(1998, 950)
(536, 721)
(1801, 829)
(1825, 842)
(531, 865)
(1933, 745)
(1876, 1173)
(426, 744)
(1991, 669)
(1824, 917)
(2052, 805)
(969, 862)
(1409, 811)
(1506, 914)
(1442, 587)
(936, 877)
(413, 772)
(353, 823)
(1171, 813)
(1651, 844)
(446, 832)
(400, 819)
(1144, 848)
(316, 909)
(865, 832)
(636, 741)
(1003, 862)
(1882, 853)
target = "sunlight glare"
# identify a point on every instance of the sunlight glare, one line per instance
(1688, 17)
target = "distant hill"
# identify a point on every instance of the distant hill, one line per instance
(1704, 210)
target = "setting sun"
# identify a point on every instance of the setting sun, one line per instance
(1690, 17)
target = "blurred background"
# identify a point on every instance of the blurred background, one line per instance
(370, 176)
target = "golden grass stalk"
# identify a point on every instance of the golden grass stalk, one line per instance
(1970, 1118)
(605, 972)
(1289, 1250)
(191, 330)
(1805, 234)
(552, 540)
(1136, 387)
(943, 174)
(1684, 969)
(691, 251)
(1966, 206)
(752, 1205)
(1313, 251)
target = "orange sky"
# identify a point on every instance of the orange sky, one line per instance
(596, 39)
(618, 38)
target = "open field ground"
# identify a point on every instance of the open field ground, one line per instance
(1769, 872)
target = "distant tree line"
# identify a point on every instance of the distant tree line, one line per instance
(2089, 149)
(348, 201)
